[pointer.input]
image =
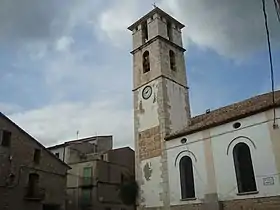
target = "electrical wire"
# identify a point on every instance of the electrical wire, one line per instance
(277, 8)
(270, 60)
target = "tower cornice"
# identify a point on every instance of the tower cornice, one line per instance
(151, 13)
(154, 39)
(160, 76)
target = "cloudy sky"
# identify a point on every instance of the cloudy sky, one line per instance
(65, 65)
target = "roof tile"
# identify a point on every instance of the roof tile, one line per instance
(229, 113)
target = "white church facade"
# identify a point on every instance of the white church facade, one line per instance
(227, 158)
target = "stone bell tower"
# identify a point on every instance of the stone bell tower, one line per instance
(161, 101)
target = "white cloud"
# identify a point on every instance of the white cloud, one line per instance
(63, 43)
(232, 28)
(59, 122)
(115, 20)
(8, 108)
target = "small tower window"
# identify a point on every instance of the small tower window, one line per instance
(169, 31)
(172, 60)
(146, 62)
(144, 32)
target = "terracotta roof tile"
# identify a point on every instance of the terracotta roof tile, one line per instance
(229, 113)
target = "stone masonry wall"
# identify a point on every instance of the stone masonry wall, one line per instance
(19, 161)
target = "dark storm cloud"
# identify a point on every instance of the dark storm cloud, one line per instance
(22, 20)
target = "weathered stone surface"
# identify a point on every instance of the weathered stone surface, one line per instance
(149, 143)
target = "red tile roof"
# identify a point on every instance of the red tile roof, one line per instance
(229, 113)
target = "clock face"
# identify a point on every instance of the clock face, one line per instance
(147, 92)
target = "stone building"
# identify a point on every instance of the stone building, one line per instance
(97, 170)
(94, 144)
(224, 159)
(31, 177)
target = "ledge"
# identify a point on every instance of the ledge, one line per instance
(247, 193)
(188, 199)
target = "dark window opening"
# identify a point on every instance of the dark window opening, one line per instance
(187, 178)
(144, 32)
(57, 154)
(123, 179)
(95, 148)
(169, 31)
(33, 185)
(37, 156)
(244, 168)
(146, 62)
(5, 138)
(172, 60)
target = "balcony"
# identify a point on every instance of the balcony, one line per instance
(86, 182)
(34, 195)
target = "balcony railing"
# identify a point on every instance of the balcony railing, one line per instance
(86, 182)
(38, 194)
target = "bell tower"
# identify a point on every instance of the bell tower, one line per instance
(161, 100)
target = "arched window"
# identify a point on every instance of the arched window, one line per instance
(244, 168)
(186, 178)
(146, 62)
(172, 60)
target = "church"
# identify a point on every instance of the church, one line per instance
(228, 158)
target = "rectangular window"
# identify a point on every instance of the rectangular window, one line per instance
(33, 183)
(37, 156)
(5, 138)
(144, 32)
(57, 154)
(169, 31)
(87, 175)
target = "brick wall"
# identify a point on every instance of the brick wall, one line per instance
(18, 159)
